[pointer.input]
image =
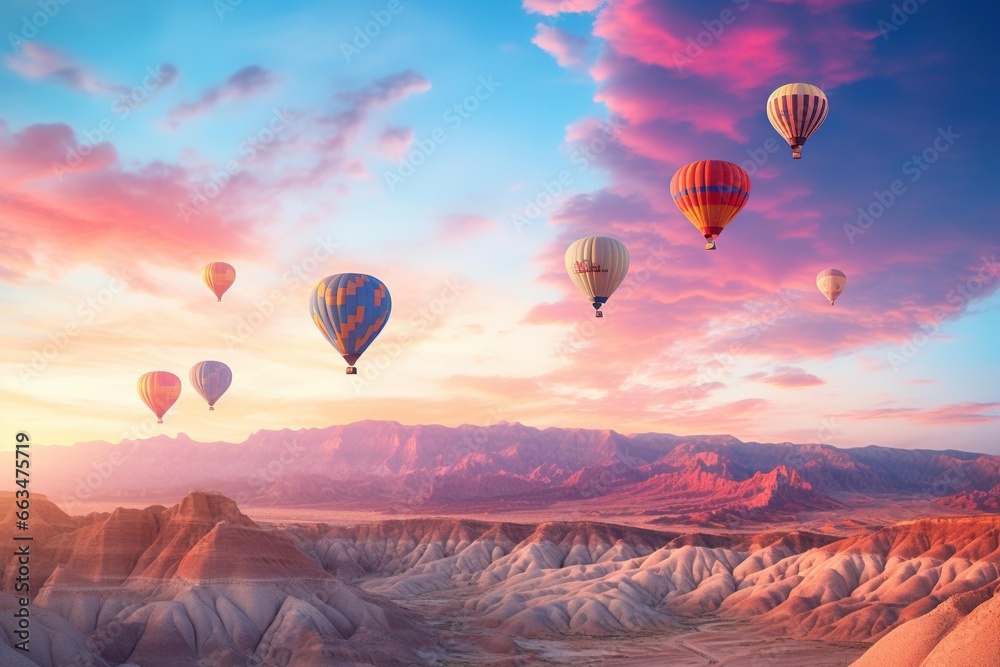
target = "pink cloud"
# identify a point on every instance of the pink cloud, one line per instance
(459, 227)
(331, 134)
(661, 63)
(568, 49)
(787, 376)
(961, 413)
(245, 83)
(36, 151)
(37, 61)
(394, 142)
(99, 211)
(554, 7)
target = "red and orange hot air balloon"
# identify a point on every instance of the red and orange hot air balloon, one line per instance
(219, 277)
(159, 390)
(710, 193)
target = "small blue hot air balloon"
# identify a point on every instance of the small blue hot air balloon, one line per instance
(350, 309)
(211, 379)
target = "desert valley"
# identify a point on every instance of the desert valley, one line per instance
(378, 543)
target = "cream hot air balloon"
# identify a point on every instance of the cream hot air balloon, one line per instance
(796, 110)
(831, 283)
(597, 265)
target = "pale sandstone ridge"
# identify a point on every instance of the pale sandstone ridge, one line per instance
(963, 631)
(582, 578)
(201, 581)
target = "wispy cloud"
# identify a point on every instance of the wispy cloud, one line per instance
(568, 49)
(37, 61)
(247, 82)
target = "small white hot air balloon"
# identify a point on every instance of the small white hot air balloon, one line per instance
(597, 265)
(831, 283)
(796, 110)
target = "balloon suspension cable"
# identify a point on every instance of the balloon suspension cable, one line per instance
(351, 370)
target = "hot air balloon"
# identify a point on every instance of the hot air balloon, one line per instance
(797, 110)
(710, 193)
(159, 390)
(831, 283)
(597, 265)
(219, 277)
(350, 309)
(211, 379)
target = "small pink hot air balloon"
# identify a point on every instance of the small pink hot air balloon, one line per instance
(159, 390)
(219, 277)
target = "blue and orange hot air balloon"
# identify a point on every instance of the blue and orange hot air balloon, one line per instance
(710, 193)
(219, 277)
(211, 379)
(350, 309)
(159, 390)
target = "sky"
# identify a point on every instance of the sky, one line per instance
(455, 155)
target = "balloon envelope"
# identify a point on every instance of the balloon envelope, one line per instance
(831, 283)
(219, 277)
(350, 309)
(159, 390)
(710, 193)
(211, 379)
(796, 110)
(597, 265)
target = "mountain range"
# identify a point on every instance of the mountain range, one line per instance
(377, 465)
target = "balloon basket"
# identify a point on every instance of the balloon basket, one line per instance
(351, 370)
(599, 314)
(159, 421)
(211, 408)
(710, 245)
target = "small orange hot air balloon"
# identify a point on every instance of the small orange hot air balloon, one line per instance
(710, 193)
(159, 390)
(219, 277)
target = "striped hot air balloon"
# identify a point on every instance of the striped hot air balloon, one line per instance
(796, 110)
(710, 193)
(159, 390)
(211, 379)
(831, 283)
(219, 277)
(597, 265)
(350, 309)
